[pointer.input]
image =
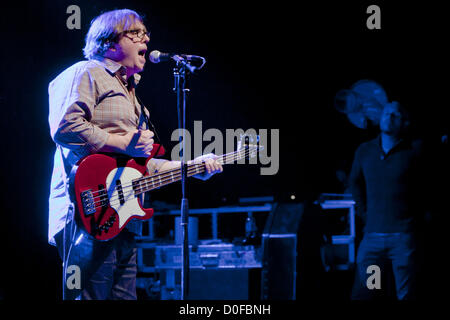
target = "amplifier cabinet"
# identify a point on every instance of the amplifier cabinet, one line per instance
(217, 271)
(224, 255)
(278, 276)
(213, 284)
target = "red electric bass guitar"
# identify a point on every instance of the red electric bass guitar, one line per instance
(107, 189)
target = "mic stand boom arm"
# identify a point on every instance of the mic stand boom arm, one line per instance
(180, 61)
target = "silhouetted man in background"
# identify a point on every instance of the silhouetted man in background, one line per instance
(387, 181)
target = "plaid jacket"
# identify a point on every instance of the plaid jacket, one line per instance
(88, 101)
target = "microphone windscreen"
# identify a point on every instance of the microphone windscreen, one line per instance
(154, 56)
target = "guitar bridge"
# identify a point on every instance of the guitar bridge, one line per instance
(87, 200)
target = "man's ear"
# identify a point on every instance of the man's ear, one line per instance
(109, 45)
(109, 49)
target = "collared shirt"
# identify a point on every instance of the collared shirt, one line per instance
(87, 102)
(390, 189)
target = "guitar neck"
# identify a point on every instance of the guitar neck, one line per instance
(156, 181)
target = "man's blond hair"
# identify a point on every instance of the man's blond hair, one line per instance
(106, 28)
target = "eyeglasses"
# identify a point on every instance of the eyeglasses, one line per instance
(138, 34)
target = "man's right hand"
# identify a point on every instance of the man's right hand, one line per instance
(137, 143)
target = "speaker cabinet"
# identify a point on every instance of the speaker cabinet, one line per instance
(279, 241)
(213, 284)
(224, 284)
(279, 267)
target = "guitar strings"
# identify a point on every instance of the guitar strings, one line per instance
(171, 171)
(178, 172)
(168, 177)
(114, 200)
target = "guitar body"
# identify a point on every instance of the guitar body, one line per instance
(101, 186)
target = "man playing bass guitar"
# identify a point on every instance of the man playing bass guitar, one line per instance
(93, 109)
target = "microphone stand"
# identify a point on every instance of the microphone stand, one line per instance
(181, 86)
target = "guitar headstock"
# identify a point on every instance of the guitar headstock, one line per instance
(249, 143)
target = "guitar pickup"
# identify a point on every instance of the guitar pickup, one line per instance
(120, 191)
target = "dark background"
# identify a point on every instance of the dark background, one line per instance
(270, 64)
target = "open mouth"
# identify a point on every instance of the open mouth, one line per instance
(142, 52)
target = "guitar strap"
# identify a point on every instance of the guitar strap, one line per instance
(149, 124)
(131, 83)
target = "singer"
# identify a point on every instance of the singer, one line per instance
(94, 109)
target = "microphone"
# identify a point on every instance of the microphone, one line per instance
(156, 57)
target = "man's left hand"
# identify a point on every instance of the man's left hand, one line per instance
(212, 166)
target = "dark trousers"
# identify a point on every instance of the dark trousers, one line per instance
(399, 250)
(107, 269)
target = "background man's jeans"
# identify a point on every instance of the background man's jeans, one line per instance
(401, 249)
(108, 269)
